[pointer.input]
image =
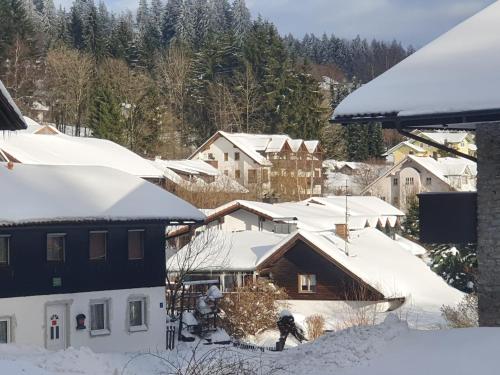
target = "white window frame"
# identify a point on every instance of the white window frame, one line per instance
(9, 327)
(106, 330)
(144, 305)
(8, 249)
(309, 283)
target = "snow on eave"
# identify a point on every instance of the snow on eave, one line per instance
(454, 74)
(401, 144)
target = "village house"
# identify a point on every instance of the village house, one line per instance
(82, 257)
(314, 214)
(266, 164)
(415, 175)
(460, 141)
(368, 267)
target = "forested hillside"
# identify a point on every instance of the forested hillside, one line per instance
(163, 78)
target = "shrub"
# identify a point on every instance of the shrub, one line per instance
(315, 326)
(251, 308)
(464, 315)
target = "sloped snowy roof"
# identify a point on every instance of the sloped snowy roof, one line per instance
(61, 149)
(381, 263)
(229, 251)
(456, 73)
(195, 168)
(404, 143)
(311, 145)
(44, 194)
(295, 144)
(10, 115)
(443, 137)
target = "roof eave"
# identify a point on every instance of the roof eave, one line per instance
(465, 120)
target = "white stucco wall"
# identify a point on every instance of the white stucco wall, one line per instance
(28, 319)
(221, 146)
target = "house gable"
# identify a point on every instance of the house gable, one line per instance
(334, 282)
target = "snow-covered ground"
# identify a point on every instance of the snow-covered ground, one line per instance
(388, 348)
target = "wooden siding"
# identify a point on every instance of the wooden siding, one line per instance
(332, 282)
(29, 273)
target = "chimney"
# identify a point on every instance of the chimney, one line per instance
(342, 231)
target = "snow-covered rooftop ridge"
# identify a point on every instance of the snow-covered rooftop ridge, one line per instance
(457, 72)
(11, 117)
(186, 166)
(61, 149)
(44, 194)
(380, 262)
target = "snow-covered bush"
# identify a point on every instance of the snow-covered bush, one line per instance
(456, 264)
(464, 315)
(315, 326)
(251, 309)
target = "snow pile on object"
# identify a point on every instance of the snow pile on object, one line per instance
(342, 349)
(41, 194)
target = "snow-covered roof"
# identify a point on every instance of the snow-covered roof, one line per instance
(229, 251)
(456, 73)
(45, 194)
(444, 137)
(409, 144)
(381, 263)
(10, 115)
(190, 167)
(61, 149)
(196, 169)
(445, 167)
(311, 146)
(257, 145)
(320, 214)
(413, 247)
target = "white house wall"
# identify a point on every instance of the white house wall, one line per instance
(28, 319)
(221, 146)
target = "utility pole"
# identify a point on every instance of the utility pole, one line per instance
(346, 247)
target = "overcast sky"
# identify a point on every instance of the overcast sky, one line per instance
(410, 21)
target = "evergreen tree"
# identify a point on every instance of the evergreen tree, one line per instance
(220, 16)
(170, 20)
(456, 264)
(105, 116)
(411, 225)
(240, 20)
(122, 38)
(375, 141)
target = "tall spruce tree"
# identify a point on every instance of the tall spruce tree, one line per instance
(170, 20)
(105, 116)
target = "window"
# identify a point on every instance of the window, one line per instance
(99, 323)
(307, 283)
(428, 181)
(137, 314)
(236, 156)
(395, 182)
(237, 173)
(4, 330)
(136, 244)
(226, 156)
(265, 175)
(55, 247)
(226, 173)
(97, 245)
(252, 176)
(409, 181)
(4, 250)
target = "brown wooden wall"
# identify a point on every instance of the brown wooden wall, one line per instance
(332, 282)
